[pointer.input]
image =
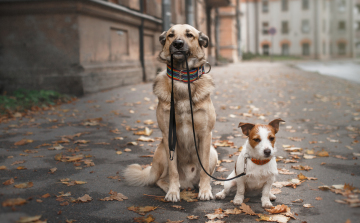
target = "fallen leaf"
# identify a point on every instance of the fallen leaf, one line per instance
(13, 202)
(46, 195)
(2, 167)
(18, 162)
(149, 122)
(221, 169)
(277, 209)
(82, 141)
(9, 182)
(300, 167)
(322, 153)
(119, 152)
(192, 217)
(23, 142)
(247, 209)
(169, 221)
(146, 132)
(275, 191)
(188, 195)
(324, 187)
(147, 219)
(302, 177)
(307, 206)
(309, 157)
(177, 206)
(127, 150)
(285, 171)
(141, 210)
(24, 185)
(66, 203)
(293, 149)
(115, 196)
(145, 139)
(318, 198)
(298, 201)
(29, 219)
(84, 198)
(233, 211)
(52, 170)
(223, 143)
(21, 168)
(273, 218)
(217, 214)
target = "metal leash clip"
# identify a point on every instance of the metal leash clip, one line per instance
(207, 63)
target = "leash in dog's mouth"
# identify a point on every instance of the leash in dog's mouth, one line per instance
(172, 123)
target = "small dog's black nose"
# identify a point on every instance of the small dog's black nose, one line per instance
(267, 152)
(178, 44)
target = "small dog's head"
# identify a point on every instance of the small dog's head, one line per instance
(261, 137)
(183, 38)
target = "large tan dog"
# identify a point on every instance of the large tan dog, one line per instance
(184, 170)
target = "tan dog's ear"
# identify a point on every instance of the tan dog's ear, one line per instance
(162, 38)
(203, 40)
(246, 127)
(275, 124)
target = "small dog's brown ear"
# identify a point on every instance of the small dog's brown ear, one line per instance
(246, 127)
(203, 40)
(275, 124)
(162, 38)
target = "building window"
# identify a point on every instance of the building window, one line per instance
(305, 26)
(265, 28)
(284, 27)
(342, 48)
(265, 5)
(305, 49)
(357, 28)
(266, 49)
(342, 26)
(341, 5)
(305, 4)
(285, 49)
(284, 5)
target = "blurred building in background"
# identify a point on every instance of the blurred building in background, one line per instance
(319, 29)
(84, 46)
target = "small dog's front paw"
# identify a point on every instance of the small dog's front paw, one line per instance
(272, 197)
(266, 204)
(238, 199)
(173, 196)
(205, 194)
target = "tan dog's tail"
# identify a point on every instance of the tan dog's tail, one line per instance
(136, 176)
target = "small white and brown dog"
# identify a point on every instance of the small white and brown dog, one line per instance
(258, 156)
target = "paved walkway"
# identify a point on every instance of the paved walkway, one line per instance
(92, 140)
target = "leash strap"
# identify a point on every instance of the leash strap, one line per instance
(172, 123)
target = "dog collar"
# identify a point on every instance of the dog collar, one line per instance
(260, 162)
(181, 75)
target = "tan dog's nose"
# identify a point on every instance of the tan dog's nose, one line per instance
(178, 44)
(267, 152)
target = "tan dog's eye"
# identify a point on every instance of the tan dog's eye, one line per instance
(171, 35)
(272, 138)
(257, 140)
(189, 35)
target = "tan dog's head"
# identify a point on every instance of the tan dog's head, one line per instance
(261, 137)
(183, 38)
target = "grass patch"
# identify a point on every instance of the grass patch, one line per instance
(22, 100)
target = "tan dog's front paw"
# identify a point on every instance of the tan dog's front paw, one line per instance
(238, 199)
(266, 203)
(173, 196)
(272, 197)
(205, 194)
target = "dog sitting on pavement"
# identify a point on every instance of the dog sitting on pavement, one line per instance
(258, 160)
(184, 170)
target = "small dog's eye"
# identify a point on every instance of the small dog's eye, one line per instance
(257, 140)
(189, 35)
(171, 35)
(272, 138)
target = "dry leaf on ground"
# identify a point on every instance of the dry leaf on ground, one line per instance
(147, 219)
(275, 191)
(14, 201)
(307, 206)
(9, 182)
(141, 210)
(23, 142)
(300, 167)
(188, 195)
(30, 219)
(247, 209)
(192, 217)
(24, 185)
(2, 167)
(273, 218)
(298, 201)
(146, 139)
(233, 211)
(285, 171)
(223, 143)
(85, 198)
(145, 132)
(322, 153)
(115, 196)
(277, 209)
(217, 214)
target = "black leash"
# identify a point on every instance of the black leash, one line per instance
(172, 124)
